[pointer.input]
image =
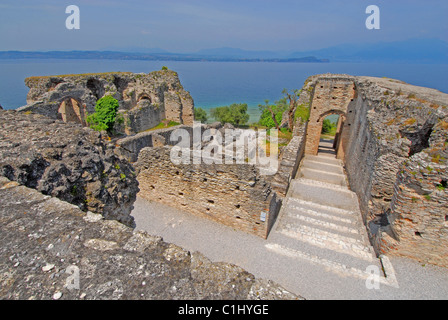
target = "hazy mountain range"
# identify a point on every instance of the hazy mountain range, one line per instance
(408, 51)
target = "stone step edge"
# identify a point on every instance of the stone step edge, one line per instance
(339, 175)
(323, 224)
(321, 184)
(292, 210)
(335, 267)
(323, 159)
(324, 163)
(318, 206)
(356, 250)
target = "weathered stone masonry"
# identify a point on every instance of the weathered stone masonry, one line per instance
(145, 99)
(393, 138)
(235, 195)
(49, 171)
(42, 238)
(67, 161)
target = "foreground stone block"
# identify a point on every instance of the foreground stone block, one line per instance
(50, 249)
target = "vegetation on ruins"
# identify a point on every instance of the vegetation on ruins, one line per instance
(200, 115)
(292, 98)
(105, 115)
(235, 114)
(272, 114)
(328, 127)
(165, 124)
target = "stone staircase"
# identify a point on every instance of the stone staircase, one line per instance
(320, 221)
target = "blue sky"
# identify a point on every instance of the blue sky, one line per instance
(190, 25)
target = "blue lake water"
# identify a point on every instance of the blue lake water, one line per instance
(214, 84)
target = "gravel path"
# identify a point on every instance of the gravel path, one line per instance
(299, 275)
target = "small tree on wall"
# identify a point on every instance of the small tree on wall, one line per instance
(105, 115)
(293, 104)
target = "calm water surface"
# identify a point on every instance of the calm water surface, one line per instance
(214, 84)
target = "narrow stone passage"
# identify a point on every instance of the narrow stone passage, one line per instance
(320, 220)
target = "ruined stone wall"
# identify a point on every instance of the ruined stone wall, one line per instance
(130, 147)
(235, 195)
(144, 99)
(67, 161)
(290, 160)
(396, 157)
(331, 95)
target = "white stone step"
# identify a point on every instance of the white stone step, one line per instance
(319, 175)
(325, 251)
(339, 268)
(323, 193)
(332, 241)
(291, 217)
(324, 159)
(297, 206)
(322, 166)
(329, 210)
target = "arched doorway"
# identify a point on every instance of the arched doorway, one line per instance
(330, 96)
(332, 125)
(71, 110)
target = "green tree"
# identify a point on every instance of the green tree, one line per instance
(271, 115)
(105, 115)
(293, 99)
(235, 114)
(328, 127)
(200, 115)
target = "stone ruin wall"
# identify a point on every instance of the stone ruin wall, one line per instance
(405, 141)
(235, 195)
(395, 139)
(145, 99)
(290, 160)
(330, 96)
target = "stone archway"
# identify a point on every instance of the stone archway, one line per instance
(144, 97)
(72, 110)
(331, 96)
(342, 117)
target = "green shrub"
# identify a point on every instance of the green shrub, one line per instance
(200, 115)
(105, 115)
(302, 112)
(266, 116)
(328, 127)
(235, 114)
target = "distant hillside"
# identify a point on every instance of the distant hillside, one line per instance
(413, 50)
(145, 56)
(408, 51)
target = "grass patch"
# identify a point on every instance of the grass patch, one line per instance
(164, 124)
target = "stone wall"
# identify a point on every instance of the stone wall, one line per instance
(290, 160)
(131, 146)
(145, 99)
(235, 195)
(331, 95)
(395, 140)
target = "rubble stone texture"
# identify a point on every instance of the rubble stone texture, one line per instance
(145, 99)
(52, 250)
(236, 195)
(67, 161)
